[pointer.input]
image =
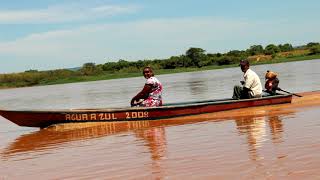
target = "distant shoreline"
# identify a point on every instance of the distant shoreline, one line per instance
(180, 70)
(166, 71)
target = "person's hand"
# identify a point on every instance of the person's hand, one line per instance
(132, 102)
(136, 102)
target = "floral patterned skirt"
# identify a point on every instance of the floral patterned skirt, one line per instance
(151, 102)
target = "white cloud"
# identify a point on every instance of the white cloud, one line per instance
(131, 35)
(66, 13)
(149, 39)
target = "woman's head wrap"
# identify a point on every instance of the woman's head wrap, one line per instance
(271, 75)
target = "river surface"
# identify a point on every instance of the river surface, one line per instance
(274, 142)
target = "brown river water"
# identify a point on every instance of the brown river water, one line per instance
(268, 142)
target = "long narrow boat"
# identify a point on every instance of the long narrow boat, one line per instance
(44, 118)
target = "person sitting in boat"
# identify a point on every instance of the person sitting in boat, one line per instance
(251, 86)
(272, 83)
(151, 94)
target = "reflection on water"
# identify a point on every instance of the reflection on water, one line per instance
(270, 142)
(208, 145)
(255, 129)
(155, 140)
(276, 128)
(250, 123)
(55, 135)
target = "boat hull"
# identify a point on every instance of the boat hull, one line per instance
(33, 118)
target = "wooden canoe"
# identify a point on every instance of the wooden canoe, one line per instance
(44, 118)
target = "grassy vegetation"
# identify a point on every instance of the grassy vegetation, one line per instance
(195, 59)
(289, 59)
(177, 70)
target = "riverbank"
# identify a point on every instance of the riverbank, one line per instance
(118, 75)
(177, 70)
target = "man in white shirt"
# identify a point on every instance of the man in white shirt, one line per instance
(251, 86)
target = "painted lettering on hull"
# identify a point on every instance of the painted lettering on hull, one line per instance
(90, 117)
(135, 115)
(105, 116)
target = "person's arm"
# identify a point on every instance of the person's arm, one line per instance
(143, 94)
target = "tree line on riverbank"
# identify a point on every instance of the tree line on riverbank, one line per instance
(193, 58)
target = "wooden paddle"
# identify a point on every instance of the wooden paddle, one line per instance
(289, 92)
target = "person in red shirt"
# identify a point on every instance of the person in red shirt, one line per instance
(272, 83)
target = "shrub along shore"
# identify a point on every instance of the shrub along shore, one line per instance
(195, 59)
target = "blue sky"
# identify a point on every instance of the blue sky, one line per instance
(54, 34)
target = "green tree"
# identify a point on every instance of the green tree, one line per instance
(195, 54)
(271, 49)
(109, 66)
(310, 44)
(255, 50)
(88, 69)
(226, 60)
(315, 49)
(122, 64)
(169, 63)
(185, 61)
(285, 47)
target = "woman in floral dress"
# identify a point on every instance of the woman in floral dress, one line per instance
(151, 94)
